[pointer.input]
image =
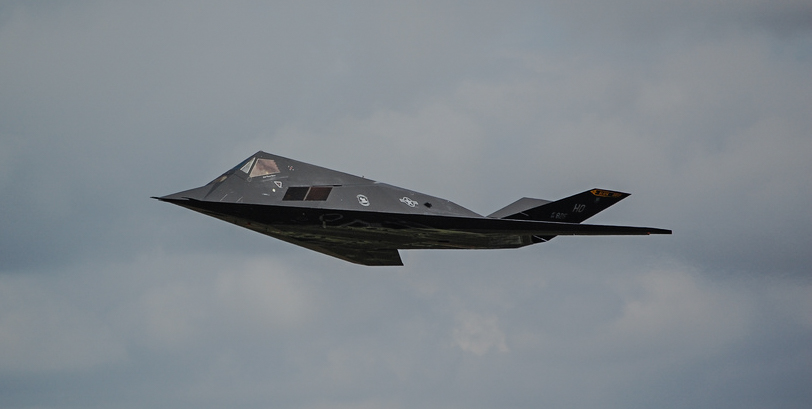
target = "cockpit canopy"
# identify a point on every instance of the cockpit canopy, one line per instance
(260, 167)
(254, 167)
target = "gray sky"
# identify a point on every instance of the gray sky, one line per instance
(701, 109)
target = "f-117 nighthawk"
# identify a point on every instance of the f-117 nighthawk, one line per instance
(366, 222)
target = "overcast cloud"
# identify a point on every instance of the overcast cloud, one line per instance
(701, 109)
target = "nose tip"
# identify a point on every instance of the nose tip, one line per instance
(186, 195)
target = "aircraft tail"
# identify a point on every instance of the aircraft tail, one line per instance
(573, 209)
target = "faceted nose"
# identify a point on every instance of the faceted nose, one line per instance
(186, 195)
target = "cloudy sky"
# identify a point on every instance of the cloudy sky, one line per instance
(701, 109)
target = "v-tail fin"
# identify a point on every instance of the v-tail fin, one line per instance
(573, 209)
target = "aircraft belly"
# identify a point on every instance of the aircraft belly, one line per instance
(375, 234)
(381, 237)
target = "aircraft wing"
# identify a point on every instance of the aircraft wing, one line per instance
(367, 257)
(363, 256)
(359, 254)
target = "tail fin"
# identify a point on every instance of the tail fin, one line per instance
(574, 209)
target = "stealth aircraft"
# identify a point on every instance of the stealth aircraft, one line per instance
(366, 222)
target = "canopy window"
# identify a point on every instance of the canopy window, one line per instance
(264, 167)
(247, 167)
